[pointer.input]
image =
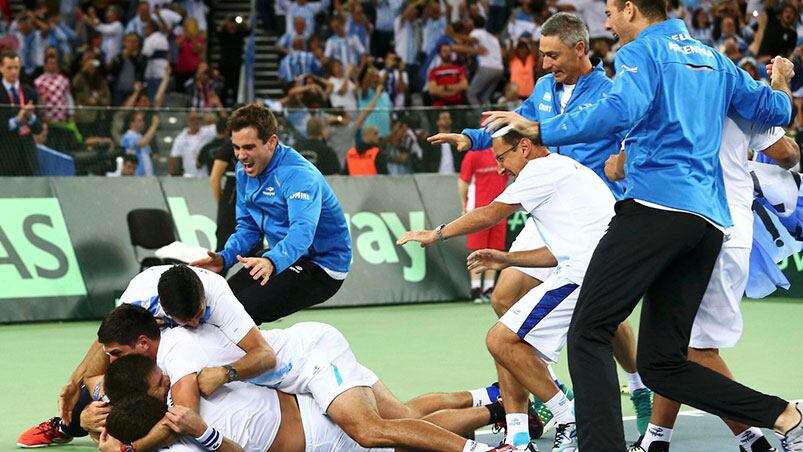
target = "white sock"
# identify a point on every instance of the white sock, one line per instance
(634, 382)
(655, 433)
(518, 430)
(487, 284)
(552, 373)
(748, 437)
(561, 407)
(476, 283)
(480, 397)
(473, 446)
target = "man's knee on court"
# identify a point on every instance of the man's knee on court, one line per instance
(499, 340)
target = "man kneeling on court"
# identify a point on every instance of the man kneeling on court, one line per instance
(571, 207)
(313, 359)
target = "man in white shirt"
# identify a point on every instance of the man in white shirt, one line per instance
(490, 68)
(341, 47)
(112, 32)
(187, 146)
(571, 209)
(155, 48)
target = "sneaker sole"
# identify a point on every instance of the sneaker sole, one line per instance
(25, 446)
(549, 426)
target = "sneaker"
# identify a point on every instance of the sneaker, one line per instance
(544, 413)
(759, 445)
(565, 438)
(534, 422)
(486, 294)
(642, 403)
(45, 434)
(792, 441)
(531, 447)
(476, 295)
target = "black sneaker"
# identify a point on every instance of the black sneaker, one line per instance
(792, 441)
(476, 295)
(760, 445)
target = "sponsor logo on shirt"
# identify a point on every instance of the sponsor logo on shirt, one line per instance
(627, 68)
(544, 107)
(269, 192)
(548, 97)
(699, 50)
(300, 195)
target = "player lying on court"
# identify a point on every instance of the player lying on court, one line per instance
(571, 207)
(313, 359)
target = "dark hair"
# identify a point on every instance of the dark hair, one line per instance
(130, 158)
(651, 9)
(512, 137)
(127, 376)
(133, 417)
(256, 116)
(180, 292)
(10, 54)
(458, 27)
(125, 324)
(479, 21)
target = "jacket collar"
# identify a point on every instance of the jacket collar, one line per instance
(667, 27)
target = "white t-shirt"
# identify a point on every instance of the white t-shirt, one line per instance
(348, 100)
(493, 57)
(156, 42)
(739, 135)
(570, 205)
(247, 414)
(222, 308)
(188, 147)
(112, 39)
(565, 96)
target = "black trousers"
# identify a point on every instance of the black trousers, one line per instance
(666, 257)
(302, 285)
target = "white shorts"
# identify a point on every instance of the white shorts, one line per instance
(719, 320)
(542, 316)
(319, 362)
(323, 435)
(530, 239)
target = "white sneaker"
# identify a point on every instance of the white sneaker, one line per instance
(565, 438)
(793, 440)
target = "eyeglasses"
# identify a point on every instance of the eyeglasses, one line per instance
(501, 157)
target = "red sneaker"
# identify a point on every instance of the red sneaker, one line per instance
(45, 434)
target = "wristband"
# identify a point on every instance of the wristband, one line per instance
(127, 448)
(211, 439)
(439, 233)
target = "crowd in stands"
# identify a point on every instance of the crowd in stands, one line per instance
(356, 75)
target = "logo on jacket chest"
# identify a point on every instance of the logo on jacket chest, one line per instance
(545, 107)
(269, 192)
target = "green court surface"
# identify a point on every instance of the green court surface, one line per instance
(415, 349)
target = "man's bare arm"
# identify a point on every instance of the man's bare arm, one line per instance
(259, 358)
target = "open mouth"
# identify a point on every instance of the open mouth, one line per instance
(248, 165)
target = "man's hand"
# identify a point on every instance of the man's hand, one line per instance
(487, 259)
(780, 70)
(93, 418)
(425, 238)
(183, 420)
(612, 168)
(67, 400)
(261, 268)
(108, 443)
(497, 119)
(212, 262)
(462, 142)
(210, 379)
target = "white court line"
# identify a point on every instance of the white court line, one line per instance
(692, 413)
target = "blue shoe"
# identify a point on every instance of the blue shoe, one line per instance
(642, 403)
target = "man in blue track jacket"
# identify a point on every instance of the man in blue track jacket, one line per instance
(671, 96)
(282, 197)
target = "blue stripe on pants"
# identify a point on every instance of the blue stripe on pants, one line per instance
(547, 304)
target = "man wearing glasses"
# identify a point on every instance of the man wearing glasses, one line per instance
(571, 209)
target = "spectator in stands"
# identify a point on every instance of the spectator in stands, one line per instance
(130, 165)
(137, 23)
(308, 10)
(776, 33)
(345, 48)
(30, 33)
(155, 48)
(382, 37)
(701, 27)
(434, 26)
(206, 157)
(299, 30)
(358, 24)
(396, 80)
(127, 68)
(343, 93)
(510, 99)
(91, 90)
(751, 67)
(402, 150)
(489, 64)
(231, 41)
(441, 158)
(406, 42)
(299, 62)
(191, 51)
(197, 10)
(366, 158)
(225, 194)
(112, 32)
(498, 13)
(728, 31)
(204, 88)
(524, 22)
(370, 85)
(343, 132)
(18, 119)
(60, 36)
(315, 149)
(139, 144)
(51, 162)
(523, 66)
(53, 90)
(187, 146)
(447, 82)
(90, 50)
(730, 48)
